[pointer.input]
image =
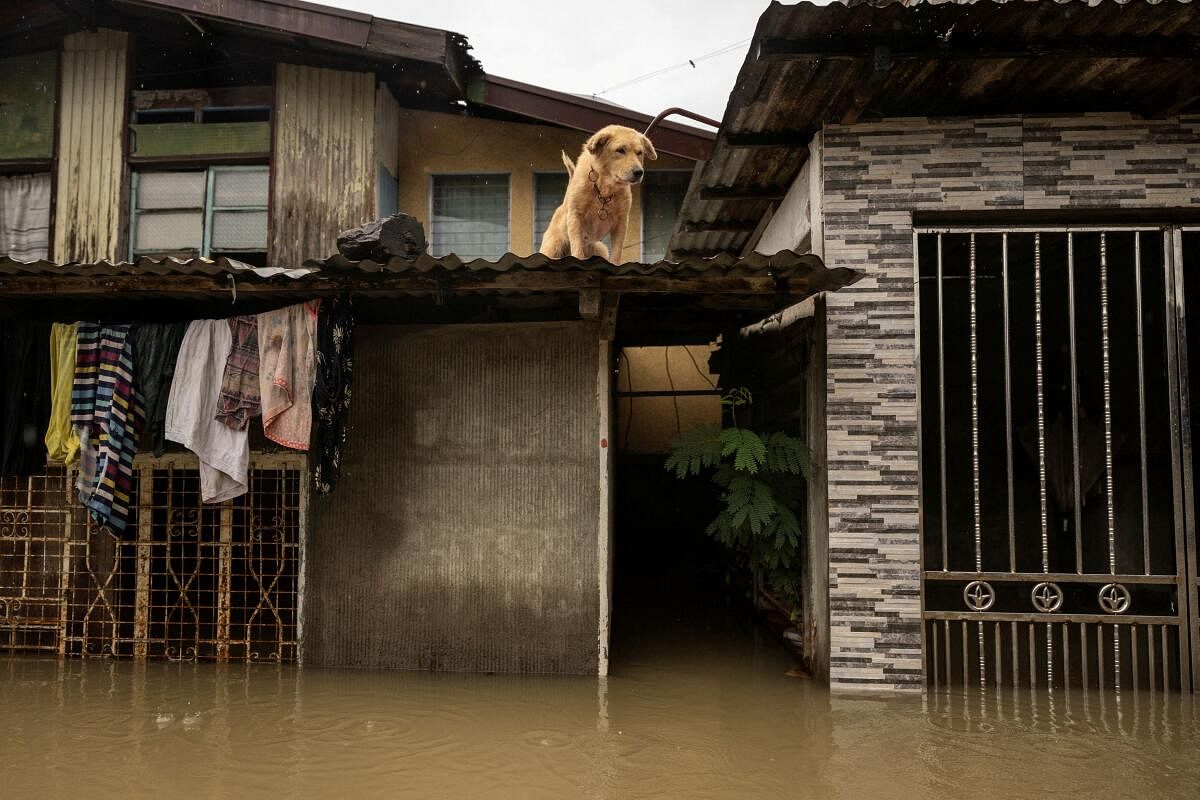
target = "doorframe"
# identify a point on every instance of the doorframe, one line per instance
(1190, 574)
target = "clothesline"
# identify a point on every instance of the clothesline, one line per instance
(97, 393)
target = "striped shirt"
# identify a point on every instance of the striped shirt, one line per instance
(106, 403)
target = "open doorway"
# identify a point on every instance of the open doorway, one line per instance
(675, 589)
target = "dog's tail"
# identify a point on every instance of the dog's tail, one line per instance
(568, 163)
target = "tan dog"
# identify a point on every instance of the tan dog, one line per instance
(598, 195)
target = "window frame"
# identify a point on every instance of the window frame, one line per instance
(207, 210)
(433, 176)
(642, 209)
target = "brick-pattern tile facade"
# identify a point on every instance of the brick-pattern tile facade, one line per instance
(875, 176)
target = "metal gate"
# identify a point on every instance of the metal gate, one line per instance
(1058, 533)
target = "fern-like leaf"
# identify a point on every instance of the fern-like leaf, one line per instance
(748, 450)
(696, 449)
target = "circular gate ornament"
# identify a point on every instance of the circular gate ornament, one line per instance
(1047, 597)
(1114, 598)
(979, 595)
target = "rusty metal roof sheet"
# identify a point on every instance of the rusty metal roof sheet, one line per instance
(811, 65)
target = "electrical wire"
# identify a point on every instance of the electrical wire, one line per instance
(674, 397)
(624, 444)
(729, 48)
(701, 372)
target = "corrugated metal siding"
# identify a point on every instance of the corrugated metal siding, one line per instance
(323, 168)
(88, 198)
(463, 534)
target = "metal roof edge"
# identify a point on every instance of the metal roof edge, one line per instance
(584, 114)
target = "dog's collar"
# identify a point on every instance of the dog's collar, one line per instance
(594, 177)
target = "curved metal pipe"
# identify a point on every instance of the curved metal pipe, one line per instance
(681, 112)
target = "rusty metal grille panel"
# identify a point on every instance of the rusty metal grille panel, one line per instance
(186, 581)
(34, 542)
(1055, 480)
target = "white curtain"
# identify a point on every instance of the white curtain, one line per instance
(25, 217)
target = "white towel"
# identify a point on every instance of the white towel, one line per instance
(192, 412)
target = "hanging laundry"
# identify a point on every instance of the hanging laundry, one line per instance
(286, 367)
(106, 410)
(25, 396)
(239, 399)
(155, 350)
(224, 452)
(331, 394)
(62, 443)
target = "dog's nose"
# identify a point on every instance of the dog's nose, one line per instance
(638, 173)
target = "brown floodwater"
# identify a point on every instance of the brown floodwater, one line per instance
(709, 715)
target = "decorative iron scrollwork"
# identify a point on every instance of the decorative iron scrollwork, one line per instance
(1047, 597)
(14, 524)
(979, 595)
(1114, 598)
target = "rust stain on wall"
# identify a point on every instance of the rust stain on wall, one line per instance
(87, 224)
(323, 168)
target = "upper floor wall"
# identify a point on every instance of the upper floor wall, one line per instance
(268, 165)
(514, 173)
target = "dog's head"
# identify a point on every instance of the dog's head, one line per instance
(620, 153)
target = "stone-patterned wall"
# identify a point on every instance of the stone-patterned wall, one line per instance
(875, 176)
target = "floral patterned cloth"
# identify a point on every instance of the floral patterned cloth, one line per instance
(331, 394)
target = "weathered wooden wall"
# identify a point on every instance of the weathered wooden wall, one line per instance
(91, 170)
(323, 166)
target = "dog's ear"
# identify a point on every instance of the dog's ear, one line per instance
(650, 152)
(598, 142)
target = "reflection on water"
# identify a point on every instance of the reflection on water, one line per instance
(715, 720)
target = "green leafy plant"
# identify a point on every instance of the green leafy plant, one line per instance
(761, 482)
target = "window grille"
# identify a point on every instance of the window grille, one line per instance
(548, 191)
(470, 216)
(662, 197)
(184, 582)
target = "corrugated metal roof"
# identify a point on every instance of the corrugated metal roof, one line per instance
(150, 266)
(810, 65)
(781, 264)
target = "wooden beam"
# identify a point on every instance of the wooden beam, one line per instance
(767, 139)
(424, 283)
(743, 192)
(589, 303)
(608, 316)
(968, 47)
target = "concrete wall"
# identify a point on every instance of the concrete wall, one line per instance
(466, 533)
(432, 143)
(876, 175)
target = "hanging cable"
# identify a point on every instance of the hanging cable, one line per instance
(729, 48)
